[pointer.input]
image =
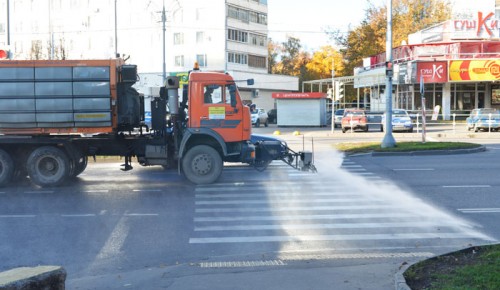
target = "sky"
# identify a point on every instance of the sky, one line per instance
(307, 20)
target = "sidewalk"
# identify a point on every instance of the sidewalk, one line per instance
(435, 133)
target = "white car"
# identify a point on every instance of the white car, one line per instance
(401, 121)
(259, 116)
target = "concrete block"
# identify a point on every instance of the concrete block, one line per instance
(33, 278)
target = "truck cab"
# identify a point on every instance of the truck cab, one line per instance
(215, 104)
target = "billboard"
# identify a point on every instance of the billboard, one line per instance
(432, 72)
(474, 70)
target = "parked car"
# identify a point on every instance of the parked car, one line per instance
(338, 118)
(259, 116)
(272, 115)
(483, 119)
(354, 119)
(401, 121)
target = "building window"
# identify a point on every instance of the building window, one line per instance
(200, 36)
(257, 40)
(179, 60)
(178, 38)
(202, 60)
(246, 15)
(257, 61)
(239, 58)
(237, 35)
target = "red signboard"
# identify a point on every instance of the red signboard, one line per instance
(299, 95)
(433, 72)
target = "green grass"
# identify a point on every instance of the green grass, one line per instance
(363, 147)
(460, 270)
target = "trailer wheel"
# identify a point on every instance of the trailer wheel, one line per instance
(48, 166)
(6, 168)
(202, 164)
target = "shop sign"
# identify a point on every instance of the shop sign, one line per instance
(313, 95)
(474, 70)
(484, 26)
(432, 72)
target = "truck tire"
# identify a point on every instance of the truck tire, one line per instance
(48, 166)
(6, 168)
(80, 166)
(202, 164)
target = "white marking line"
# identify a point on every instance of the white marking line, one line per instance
(293, 208)
(221, 202)
(39, 191)
(97, 191)
(115, 241)
(350, 166)
(241, 264)
(322, 226)
(141, 214)
(303, 217)
(253, 188)
(355, 169)
(305, 238)
(302, 257)
(479, 210)
(466, 186)
(146, 190)
(78, 215)
(272, 194)
(305, 173)
(413, 169)
(17, 216)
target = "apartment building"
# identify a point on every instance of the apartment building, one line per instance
(222, 35)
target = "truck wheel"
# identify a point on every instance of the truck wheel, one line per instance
(6, 168)
(48, 166)
(202, 164)
(80, 166)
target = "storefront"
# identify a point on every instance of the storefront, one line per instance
(457, 63)
(300, 109)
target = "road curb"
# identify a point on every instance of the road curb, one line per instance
(481, 148)
(399, 279)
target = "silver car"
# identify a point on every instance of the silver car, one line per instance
(259, 116)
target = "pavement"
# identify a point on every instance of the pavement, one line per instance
(375, 273)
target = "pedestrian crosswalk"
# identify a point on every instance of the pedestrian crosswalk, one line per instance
(342, 209)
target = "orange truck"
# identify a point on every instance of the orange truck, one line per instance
(55, 114)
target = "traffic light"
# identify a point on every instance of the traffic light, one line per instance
(329, 93)
(339, 93)
(388, 69)
(4, 53)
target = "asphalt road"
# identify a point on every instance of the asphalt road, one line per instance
(350, 226)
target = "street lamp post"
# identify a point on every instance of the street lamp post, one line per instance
(388, 141)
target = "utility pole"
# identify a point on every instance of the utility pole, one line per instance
(8, 31)
(333, 92)
(164, 20)
(116, 32)
(388, 141)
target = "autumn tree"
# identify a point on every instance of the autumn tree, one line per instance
(322, 61)
(273, 52)
(289, 57)
(369, 37)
